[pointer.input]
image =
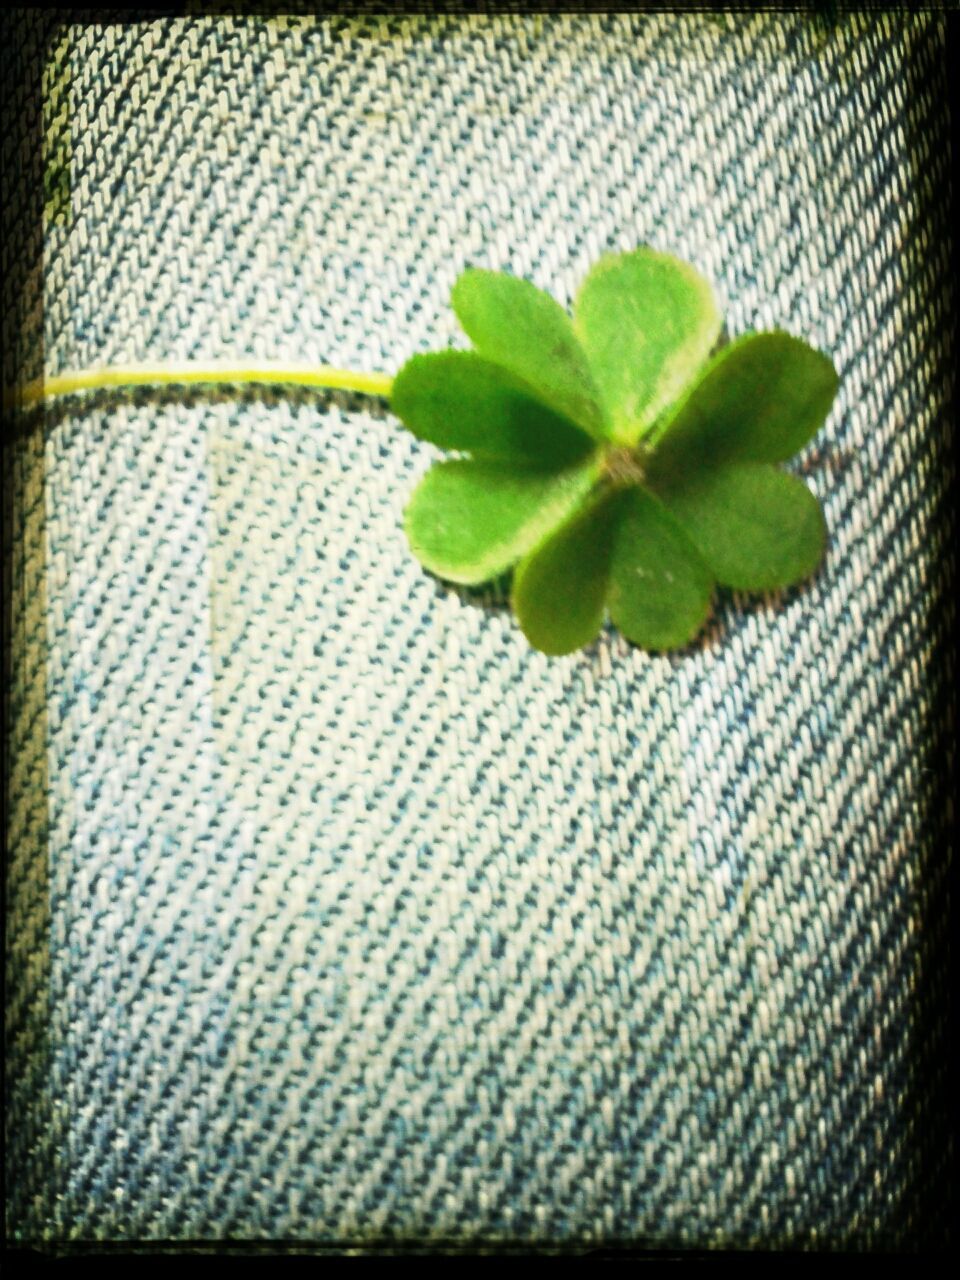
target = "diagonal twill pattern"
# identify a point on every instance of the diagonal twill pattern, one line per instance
(363, 921)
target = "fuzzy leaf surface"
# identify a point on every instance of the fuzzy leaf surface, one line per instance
(660, 587)
(756, 527)
(469, 521)
(559, 590)
(459, 401)
(519, 327)
(761, 399)
(647, 322)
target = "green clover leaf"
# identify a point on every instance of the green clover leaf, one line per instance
(614, 464)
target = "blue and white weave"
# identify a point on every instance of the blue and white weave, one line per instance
(341, 915)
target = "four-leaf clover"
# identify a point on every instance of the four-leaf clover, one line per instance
(611, 460)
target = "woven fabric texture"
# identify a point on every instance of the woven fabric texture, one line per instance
(355, 918)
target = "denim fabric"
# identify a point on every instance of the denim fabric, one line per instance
(357, 918)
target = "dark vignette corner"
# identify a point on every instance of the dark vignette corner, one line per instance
(25, 35)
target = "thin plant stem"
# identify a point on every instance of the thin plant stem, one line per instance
(218, 374)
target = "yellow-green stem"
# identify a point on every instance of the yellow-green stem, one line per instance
(372, 384)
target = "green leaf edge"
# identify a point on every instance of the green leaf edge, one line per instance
(594, 419)
(493, 566)
(637, 432)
